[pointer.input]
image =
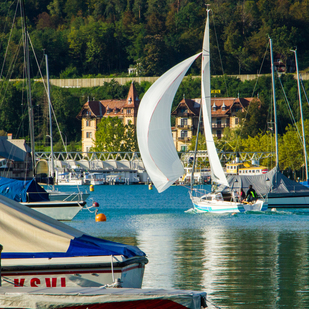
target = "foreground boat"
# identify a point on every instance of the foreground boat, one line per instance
(31, 194)
(156, 142)
(39, 251)
(101, 298)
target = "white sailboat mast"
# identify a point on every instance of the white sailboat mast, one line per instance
(52, 167)
(274, 101)
(301, 115)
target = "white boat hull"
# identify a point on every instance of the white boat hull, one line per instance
(111, 298)
(288, 200)
(73, 272)
(67, 182)
(59, 210)
(226, 207)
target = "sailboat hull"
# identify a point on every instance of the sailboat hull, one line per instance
(59, 210)
(215, 206)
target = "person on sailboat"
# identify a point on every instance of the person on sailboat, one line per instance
(251, 194)
(242, 195)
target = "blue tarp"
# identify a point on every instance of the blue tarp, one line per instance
(22, 190)
(83, 246)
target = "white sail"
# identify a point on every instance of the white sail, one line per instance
(154, 134)
(217, 173)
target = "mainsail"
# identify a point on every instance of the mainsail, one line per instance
(154, 135)
(217, 173)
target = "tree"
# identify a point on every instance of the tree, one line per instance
(113, 136)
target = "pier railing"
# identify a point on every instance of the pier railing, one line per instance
(185, 157)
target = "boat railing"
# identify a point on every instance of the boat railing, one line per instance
(198, 193)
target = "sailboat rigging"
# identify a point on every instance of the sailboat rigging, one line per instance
(27, 192)
(279, 191)
(156, 143)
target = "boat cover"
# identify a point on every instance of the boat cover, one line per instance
(22, 190)
(26, 233)
(101, 298)
(271, 182)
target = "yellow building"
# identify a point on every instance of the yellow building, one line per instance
(93, 111)
(223, 115)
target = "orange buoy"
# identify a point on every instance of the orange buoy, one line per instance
(100, 218)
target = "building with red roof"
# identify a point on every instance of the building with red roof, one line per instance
(223, 115)
(93, 111)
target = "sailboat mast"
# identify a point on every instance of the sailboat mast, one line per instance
(195, 148)
(29, 99)
(52, 167)
(301, 115)
(274, 101)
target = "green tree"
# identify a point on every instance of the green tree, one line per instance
(113, 136)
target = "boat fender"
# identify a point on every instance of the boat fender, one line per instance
(95, 204)
(91, 188)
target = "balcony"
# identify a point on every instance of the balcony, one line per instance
(185, 126)
(219, 125)
(184, 139)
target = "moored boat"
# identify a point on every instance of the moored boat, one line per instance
(29, 193)
(101, 298)
(39, 251)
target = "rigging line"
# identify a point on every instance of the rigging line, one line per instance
(260, 69)
(45, 87)
(247, 110)
(7, 47)
(224, 77)
(302, 84)
(289, 108)
(10, 70)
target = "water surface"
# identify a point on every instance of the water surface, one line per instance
(251, 260)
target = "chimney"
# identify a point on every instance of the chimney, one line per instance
(9, 136)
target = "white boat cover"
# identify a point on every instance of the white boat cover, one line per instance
(98, 297)
(154, 134)
(217, 173)
(26, 233)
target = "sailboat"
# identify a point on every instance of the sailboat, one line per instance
(156, 143)
(280, 191)
(40, 252)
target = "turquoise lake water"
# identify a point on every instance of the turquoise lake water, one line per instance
(250, 260)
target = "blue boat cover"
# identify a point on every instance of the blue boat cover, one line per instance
(22, 190)
(82, 246)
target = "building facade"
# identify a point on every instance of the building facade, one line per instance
(92, 113)
(223, 114)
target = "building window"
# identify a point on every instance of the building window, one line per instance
(88, 134)
(183, 121)
(236, 120)
(184, 133)
(183, 148)
(88, 122)
(88, 148)
(219, 134)
(128, 111)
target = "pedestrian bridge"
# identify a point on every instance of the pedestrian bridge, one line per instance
(132, 160)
